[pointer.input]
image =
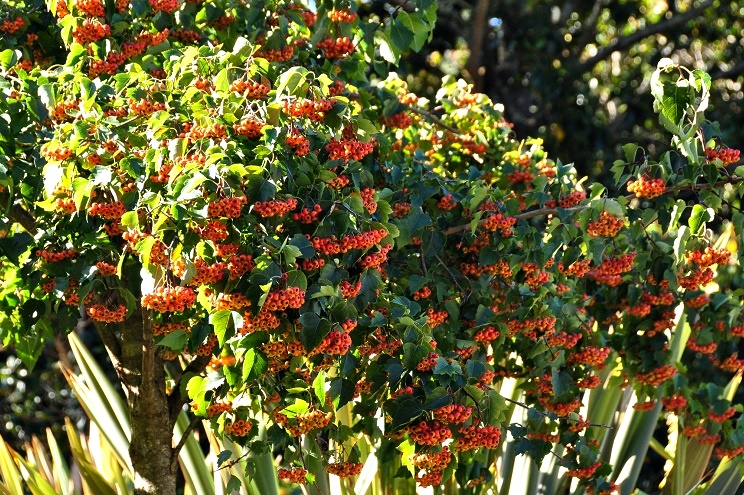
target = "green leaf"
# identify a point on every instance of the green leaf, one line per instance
(175, 340)
(314, 330)
(699, 217)
(221, 321)
(319, 386)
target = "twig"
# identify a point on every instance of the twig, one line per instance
(231, 463)
(454, 279)
(182, 442)
(543, 413)
(435, 119)
(619, 44)
(541, 212)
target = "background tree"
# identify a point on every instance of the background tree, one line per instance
(577, 73)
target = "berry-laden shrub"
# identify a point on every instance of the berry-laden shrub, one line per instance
(250, 186)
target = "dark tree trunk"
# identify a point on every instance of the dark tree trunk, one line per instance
(142, 373)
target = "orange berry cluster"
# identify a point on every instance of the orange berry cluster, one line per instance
(347, 290)
(274, 208)
(368, 199)
(429, 433)
(227, 250)
(279, 300)
(644, 406)
(164, 5)
(486, 335)
(693, 431)
(349, 149)
(233, 300)
(606, 226)
(433, 461)
(475, 437)
(208, 131)
(702, 349)
(375, 260)
(239, 265)
(213, 231)
(276, 54)
(55, 256)
(294, 475)
(186, 35)
(727, 155)
(731, 364)
(304, 422)
(569, 201)
(145, 107)
(299, 144)
(592, 356)
(647, 188)
(226, 207)
(66, 206)
(344, 469)
(401, 210)
(91, 31)
(431, 478)
(435, 318)
(453, 413)
(361, 241)
(565, 340)
(657, 376)
(308, 216)
(218, 408)
(400, 120)
(310, 265)
(339, 182)
(11, 27)
(249, 89)
(720, 418)
(239, 428)
(263, 321)
(708, 257)
(423, 293)
(589, 382)
(109, 211)
(428, 363)
(341, 15)
(169, 299)
(166, 328)
(500, 222)
(610, 271)
(709, 439)
(252, 129)
(106, 269)
(695, 278)
(314, 110)
(447, 203)
(99, 312)
(675, 403)
(584, 473)
(57, 153)
(336, 48)
(60, 112)
(93, 8)
(206, 348)
(335, 343)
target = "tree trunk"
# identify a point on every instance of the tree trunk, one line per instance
(142, 373)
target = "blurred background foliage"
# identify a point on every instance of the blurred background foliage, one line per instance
(576, 72)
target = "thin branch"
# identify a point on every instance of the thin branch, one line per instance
(543, 413)
(182, 442)
(541, 212)
(454, 279)
(619, 44)
(435, 119)
(24, 218)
